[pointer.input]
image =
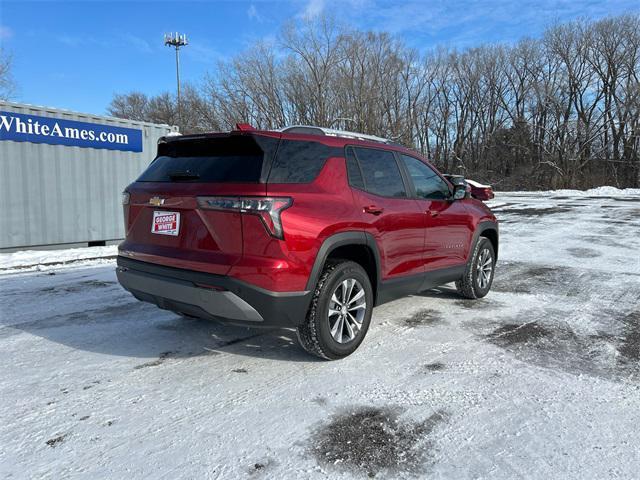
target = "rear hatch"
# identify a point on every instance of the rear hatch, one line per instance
(164, 221)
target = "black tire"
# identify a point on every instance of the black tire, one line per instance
(472, 285)
(314, 333)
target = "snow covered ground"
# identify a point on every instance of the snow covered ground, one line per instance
(541, 379)
(45, 260)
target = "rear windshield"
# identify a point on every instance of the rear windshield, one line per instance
(232, 159)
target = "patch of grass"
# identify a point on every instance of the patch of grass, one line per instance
(533, 212)
(580, 252)
(370, 440)
(512, 333)
(161, 358)
(629, 346)
(423, 318)
(434, 367)
(54, 442)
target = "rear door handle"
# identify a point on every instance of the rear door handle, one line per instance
(372, 209)
(433, 213)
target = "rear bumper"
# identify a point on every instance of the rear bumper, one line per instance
(212, 296)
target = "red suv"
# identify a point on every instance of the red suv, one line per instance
(305, 227)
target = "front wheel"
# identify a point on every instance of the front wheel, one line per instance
(340, 312)
(478, 275)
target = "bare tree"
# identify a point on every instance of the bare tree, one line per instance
(7, 83)
(133, 105)
(559, 111)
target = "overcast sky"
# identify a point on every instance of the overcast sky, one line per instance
(75, 55)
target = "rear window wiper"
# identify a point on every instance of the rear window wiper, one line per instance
(183, 175)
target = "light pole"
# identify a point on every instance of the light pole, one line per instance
(176, 40)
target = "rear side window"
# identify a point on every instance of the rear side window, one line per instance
(232, 159)
(381, 173)
(353, 170)
(299, 161)
(427, 182)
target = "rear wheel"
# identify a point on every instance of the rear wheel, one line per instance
(478, 275)
(340, 311)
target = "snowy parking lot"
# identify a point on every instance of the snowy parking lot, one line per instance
(540, 379)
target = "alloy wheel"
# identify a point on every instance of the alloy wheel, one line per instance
(347, 309)
(484, 268)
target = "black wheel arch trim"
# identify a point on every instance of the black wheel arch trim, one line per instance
(480, 229)
(386, 291)
(339, 240)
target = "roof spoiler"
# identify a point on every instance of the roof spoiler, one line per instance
(168, 136)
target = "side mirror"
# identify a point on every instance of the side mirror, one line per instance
(459, 192)
(460, 187)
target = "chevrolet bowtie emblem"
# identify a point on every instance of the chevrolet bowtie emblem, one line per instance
(157, 201)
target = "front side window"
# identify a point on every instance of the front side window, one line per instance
(381, 173)
(428, 184)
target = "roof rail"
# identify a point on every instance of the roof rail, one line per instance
(313, 130)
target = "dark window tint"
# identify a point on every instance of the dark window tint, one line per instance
(381, 173)
(299, 161)
(226, 159)
(353, 170)
(426, 181)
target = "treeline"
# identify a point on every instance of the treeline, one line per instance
(561, 111)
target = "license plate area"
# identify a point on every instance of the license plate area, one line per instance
(165, 223)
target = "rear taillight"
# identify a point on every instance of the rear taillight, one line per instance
(126, 198)
(267, 208)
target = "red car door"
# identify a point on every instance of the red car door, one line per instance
(394, 219)
(448, 224)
